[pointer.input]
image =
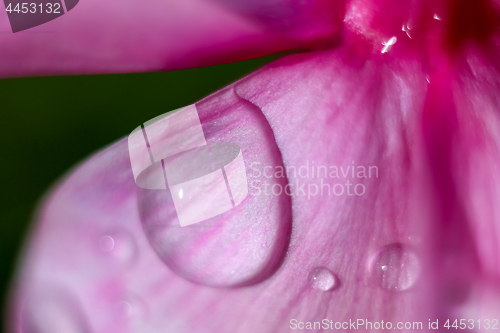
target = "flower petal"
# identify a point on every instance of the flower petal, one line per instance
(132, 36)
(338, 110)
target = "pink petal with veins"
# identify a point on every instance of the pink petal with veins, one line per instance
(413, 238)
(371, 116)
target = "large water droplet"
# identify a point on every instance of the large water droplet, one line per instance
(322, 279)
(395, 267)
(245, 244)
(53, 312)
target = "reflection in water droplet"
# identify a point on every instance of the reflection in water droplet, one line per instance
(406, 28)
(322, 279)
(53, 312)
(388, 44)
(395, 267)
(106, 243)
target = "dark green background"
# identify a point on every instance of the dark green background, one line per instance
(48, 124)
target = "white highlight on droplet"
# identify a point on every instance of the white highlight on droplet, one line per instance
(406, 28)
(181, 193)
(388, 44)
(436, 17)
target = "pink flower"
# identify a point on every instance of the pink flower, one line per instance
(389, 133)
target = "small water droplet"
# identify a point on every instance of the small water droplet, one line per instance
(395, 267)
(181, 193)
(106, 243)
(124, 308)
(131, 308)
(436, 17)
(323, 279)
(118, 245)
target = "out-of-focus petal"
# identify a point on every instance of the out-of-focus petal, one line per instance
(314, 20)
(131, 36)
(476, 152)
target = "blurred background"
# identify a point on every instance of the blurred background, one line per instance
(50, 124)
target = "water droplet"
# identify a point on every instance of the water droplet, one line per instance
(243, 245)
(132, 308)
(123, 308)
(395, 267)
(436, 17)
(106, 243)
(322, 279)
(118, 245)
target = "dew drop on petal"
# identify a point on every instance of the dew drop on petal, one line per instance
(118, 245)
(106, 243)
(131, 308)
(395, 267)
(321, 278)
(123, 309)
(244, 242)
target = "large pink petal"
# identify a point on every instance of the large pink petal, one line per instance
(340, 111)
(473, 159)
(132, 36)
(414, 240)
